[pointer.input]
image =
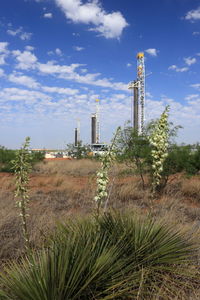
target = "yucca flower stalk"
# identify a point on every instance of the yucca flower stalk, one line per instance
(159, 141)
(22, 168)
(102, 175)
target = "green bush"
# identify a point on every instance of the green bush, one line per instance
(182, 159)
(37, 157)
(116, 256)
(195, 159)
(7, 156)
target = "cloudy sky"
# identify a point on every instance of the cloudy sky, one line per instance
(58, 56)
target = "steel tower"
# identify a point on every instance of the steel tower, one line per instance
(141, 87)
(97, 121)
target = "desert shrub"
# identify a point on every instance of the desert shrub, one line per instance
(37, 157)
(80, 151)
(134, 150)
(6, 156)
(182, 159)
(116, 256)
(195, 159)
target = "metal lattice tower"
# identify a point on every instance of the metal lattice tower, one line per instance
(98, 121)
(141, 86)
(78, 130)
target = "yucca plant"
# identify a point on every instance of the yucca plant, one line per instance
(22, 168)
(116, 256)
(107, 159)
(159, 142)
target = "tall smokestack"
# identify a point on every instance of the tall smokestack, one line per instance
(135, 106)
(76, 137)
(93, 129)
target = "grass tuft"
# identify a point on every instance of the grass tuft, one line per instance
(117, 256)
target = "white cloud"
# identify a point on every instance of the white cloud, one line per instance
(59, 90)
(196, 33)
(21, 33)
(25, 36)
(152, 51)
(77, 48)
(1, 72)
(129, 65)
(13, 32)
(2, 59)
(48, 15)
(51, 68)
(193, 15)
(76, 34)
(191, 97)
(196, 86)
(175, 68)
(190, 60)
(58, 52)
(3, 47)
(26, 60)
(69, 72)
(184, 69)
(3, 52)
(23, 80)
(109, 25)
(84, 70)
(29, 48)
(16, 94)
(172, 67)
(148, 94)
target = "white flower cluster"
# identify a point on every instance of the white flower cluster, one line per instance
(102, 177)
(159, 141)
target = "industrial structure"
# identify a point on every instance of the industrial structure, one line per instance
(138, 87)
(97, 147)
(77, 134)
(95, 125)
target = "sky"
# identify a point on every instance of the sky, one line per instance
(58, 56)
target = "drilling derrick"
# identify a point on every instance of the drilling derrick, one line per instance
(75, 137)
(93, 129)
(77, 134)
(95, 125)
(97, 122)
(141, 87)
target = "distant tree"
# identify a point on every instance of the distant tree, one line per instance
(134, 150)
(37, 157)
(6, 156)
(80, 151)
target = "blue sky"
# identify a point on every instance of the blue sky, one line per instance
(58, 56)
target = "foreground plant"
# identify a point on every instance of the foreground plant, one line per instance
(102, 175)
(159, 141)
(22, 168)
(116, 256)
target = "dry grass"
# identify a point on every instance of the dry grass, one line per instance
(59, 189)
(191, 188)
(83, 167)
(75, 167)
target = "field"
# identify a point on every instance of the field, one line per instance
(66, 188)
(59, 189)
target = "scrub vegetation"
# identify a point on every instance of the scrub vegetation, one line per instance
(119, 228)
